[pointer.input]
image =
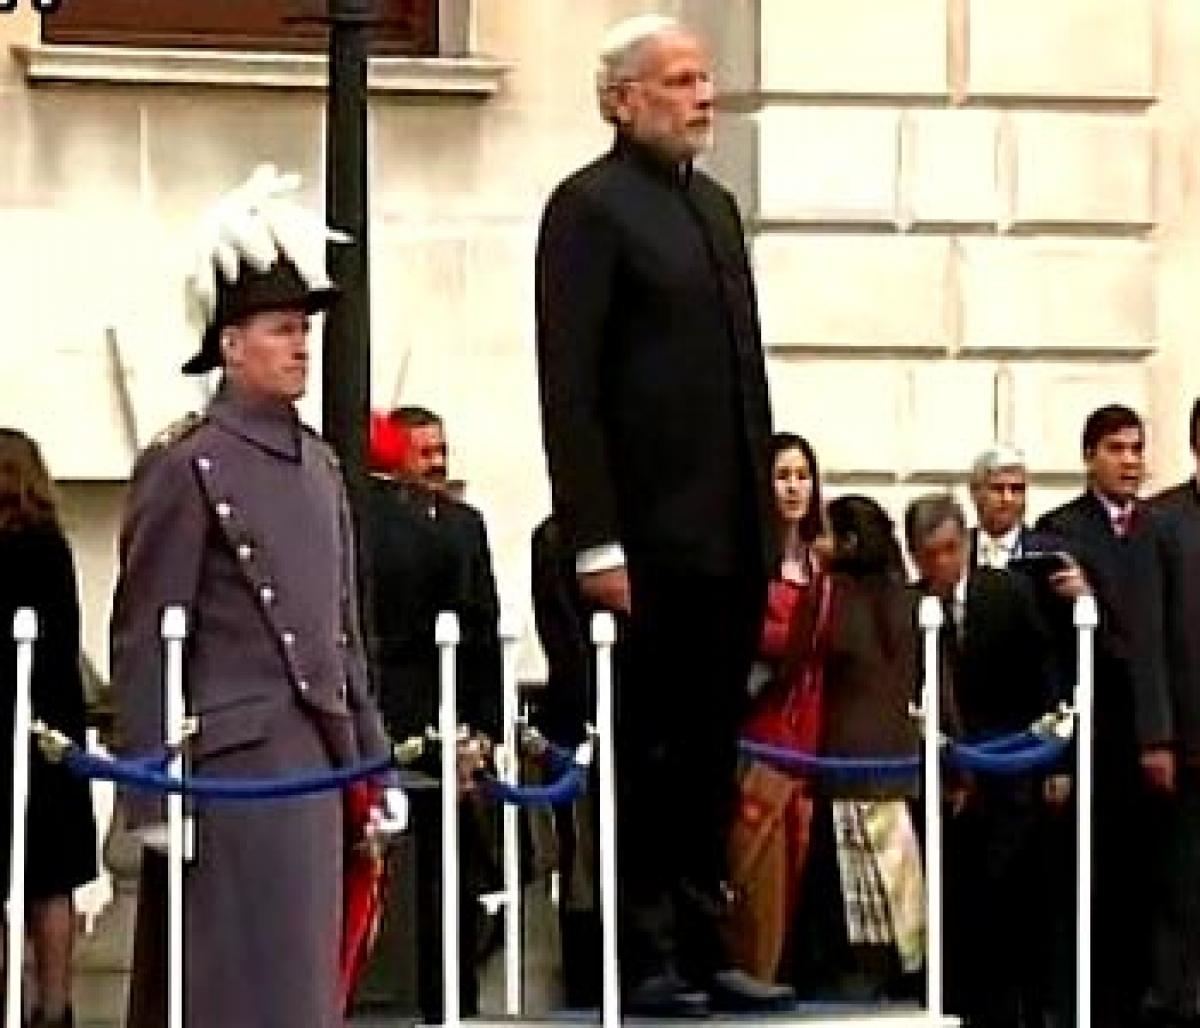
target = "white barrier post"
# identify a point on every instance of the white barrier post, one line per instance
(931, 622)
(174, 631)
(24, 633)
(1086, 619)
(448, 636)
(510, 773)
(604, 636)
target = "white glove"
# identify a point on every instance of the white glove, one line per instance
(390, 816)
(156, 837)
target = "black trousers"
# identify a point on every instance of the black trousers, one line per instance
(994, 922)
(683, 659)
(477, 874)
(1174, 994)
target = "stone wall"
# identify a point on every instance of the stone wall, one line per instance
(971, 219)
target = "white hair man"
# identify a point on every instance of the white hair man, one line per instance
(656, 425)
(999, 487)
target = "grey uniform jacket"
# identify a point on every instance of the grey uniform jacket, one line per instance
(240, 516)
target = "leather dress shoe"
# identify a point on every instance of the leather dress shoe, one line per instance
(666, 995)
(735, 991)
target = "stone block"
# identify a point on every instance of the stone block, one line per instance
(854, 290)
(84, 148)
(1051, 401)
(852, 411)
(1069, 48)
(950, 167)
(853, 47)
(1094, 168)
(197, 150)
(828, 164)
(1090, 295)
(952, 415)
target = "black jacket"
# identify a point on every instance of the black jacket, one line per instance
(655, 412)
(1180, 507)
(1134, 705)
(1003, 668)
(423, 554)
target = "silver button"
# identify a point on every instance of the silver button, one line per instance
(245, 551)
(224, 510)
(343, 639)
(302, 685)
(204, 463)
(342, 692)
(289, 638)
(266, 594)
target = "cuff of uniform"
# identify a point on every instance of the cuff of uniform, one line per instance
(605, 557)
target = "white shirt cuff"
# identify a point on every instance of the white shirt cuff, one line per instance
(605, 557)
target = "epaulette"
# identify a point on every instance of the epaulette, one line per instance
(178, 429)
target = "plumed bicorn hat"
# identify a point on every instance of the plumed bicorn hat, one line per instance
(258, 250)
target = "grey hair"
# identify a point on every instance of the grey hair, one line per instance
(619, 52)
(997, 458)
(926, 514)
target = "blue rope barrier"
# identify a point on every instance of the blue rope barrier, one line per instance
(972, 758)
(568, 787)
(839, 767)
(570, 784)
(1006, 755)
(139, 773)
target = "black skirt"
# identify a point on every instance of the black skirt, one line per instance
(61, 838)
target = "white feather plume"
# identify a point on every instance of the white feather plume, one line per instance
(256, 223)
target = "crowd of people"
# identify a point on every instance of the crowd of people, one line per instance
(748, 607)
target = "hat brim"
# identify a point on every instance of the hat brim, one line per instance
(315, 301)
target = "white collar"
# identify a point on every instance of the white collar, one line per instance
(1115, 511)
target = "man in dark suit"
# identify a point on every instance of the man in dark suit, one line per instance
(656, 421)
(426, 552)
(1175, 989)
(1119, 542)
(1001, 664)
(425, 467)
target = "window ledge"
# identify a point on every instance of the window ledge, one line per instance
(473, 76)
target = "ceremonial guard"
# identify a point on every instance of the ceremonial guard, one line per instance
(239, 515)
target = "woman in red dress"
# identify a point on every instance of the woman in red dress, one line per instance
(769, 840)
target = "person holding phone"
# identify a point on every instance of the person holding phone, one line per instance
(1120, 542)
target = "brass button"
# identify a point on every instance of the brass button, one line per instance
(245, 551)
(204, 463)
(342, 692)
(289, 638)
(266, 594)
(224, 510)
(343, 639)
(302, 685)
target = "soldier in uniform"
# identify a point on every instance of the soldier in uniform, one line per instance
(240, 516)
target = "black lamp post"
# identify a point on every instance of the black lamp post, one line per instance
(346, 364)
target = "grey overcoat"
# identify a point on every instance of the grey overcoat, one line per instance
(240, 515)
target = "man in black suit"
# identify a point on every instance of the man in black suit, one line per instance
(655, 422)
(426, 552)
(1175, 990)
(1120, 544)
(425, 464)
(1001, 663)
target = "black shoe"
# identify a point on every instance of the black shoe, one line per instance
(734, 991)
(665, 995)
